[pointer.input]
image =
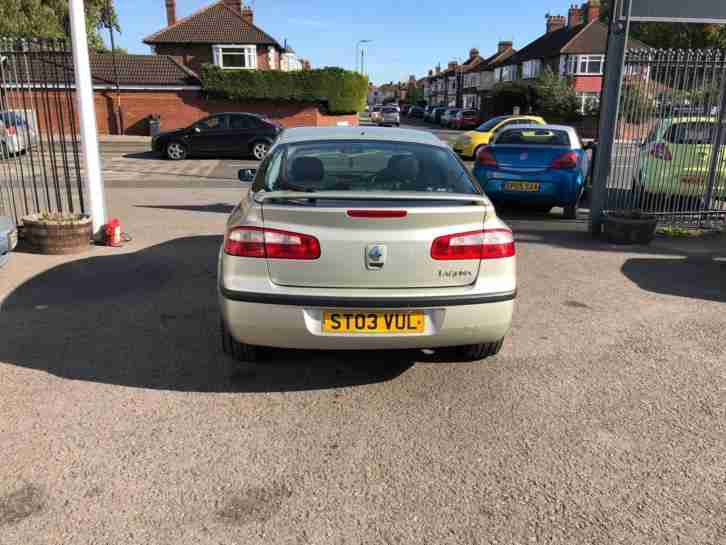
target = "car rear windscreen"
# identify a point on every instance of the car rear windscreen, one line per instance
(692, 133)
(533, 137)
(366, 166)
(390, 111)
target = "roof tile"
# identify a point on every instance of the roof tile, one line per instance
(215, 24)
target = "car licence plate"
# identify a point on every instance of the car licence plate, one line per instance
(528, 187)
(381, 323)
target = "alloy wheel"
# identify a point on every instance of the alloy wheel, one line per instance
(175, 151)
(260, 150)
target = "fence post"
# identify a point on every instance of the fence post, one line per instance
(610, 104)
(87, 112)
(716, 152)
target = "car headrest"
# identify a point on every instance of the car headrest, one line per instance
(307, 169)
(405, 168)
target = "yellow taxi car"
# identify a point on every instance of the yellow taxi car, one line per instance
(469, 143)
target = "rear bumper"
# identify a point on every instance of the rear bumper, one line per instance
(285, 321)
(557, 190)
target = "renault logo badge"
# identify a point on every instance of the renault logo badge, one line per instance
(376, 257)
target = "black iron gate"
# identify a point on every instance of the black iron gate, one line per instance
(40, 164)
(669, 154)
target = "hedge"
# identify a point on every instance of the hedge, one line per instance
(343, 91)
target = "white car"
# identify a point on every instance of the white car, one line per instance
(16, 133)
(365, 238)
(8, 238)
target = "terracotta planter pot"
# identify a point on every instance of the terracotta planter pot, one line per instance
(57, 239)
(621, 230)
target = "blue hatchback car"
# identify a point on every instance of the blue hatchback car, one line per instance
(539, 165)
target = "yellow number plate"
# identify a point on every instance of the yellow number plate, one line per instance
(381, 323)
(522, 186)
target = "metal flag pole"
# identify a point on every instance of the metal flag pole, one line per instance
(87, 114)
(610, 105)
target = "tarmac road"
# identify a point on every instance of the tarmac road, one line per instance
(601, 422)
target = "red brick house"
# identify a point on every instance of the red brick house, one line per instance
(223, 34)
(573, 47)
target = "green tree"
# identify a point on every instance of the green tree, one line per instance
(49, 19)
(674, 35)
(509, 95)
(555, 99)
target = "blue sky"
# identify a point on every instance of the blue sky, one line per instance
(409, 36)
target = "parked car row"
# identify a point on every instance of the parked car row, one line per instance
(452, 118)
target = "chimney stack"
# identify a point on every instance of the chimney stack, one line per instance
(248, 15)
(234, 4)
(438, 69)
(453, 65)
(504, 46)
(593, 10)
(431, 73)
(170, 12)
(574, 17)
(555, 22)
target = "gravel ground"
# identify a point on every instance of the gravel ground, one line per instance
(602, 421)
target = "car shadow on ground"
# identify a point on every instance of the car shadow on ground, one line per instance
(144, 155)
(694, 277)
(149, 319)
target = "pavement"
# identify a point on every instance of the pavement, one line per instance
(602, 421)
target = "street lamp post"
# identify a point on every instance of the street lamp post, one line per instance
(357, 54)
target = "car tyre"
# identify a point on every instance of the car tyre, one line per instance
(477, 150)
(176, 151)
(570, 212)
(477, 352)
(260, 150)
(239, 351)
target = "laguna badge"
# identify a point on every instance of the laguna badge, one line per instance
(376, 257)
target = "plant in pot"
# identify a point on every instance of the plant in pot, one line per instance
(630, 227)
(57, 232)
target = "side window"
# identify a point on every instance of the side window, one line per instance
(214, 123)
(239, 122)
(504, 125)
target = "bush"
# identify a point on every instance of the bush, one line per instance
(635, 106)
(343, 91)
(555, 99)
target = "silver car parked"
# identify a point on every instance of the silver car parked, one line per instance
(390, 116)
(365, 238)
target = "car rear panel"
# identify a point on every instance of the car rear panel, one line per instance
(345, 242)
(529, 165)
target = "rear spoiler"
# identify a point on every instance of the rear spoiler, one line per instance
(477, 200)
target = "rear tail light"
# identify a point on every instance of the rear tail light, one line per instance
(12, 130)
(377, 214)
(270, 243)
(566, 161)
(486, 158)
(487, 244)
(661, 151)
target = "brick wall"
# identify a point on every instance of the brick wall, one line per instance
(177, 109)
(192, 55)
(588, 84)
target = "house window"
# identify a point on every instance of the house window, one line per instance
(235, 57)
(586, 65)
(508, 73)
(531, 69)
(589, 103)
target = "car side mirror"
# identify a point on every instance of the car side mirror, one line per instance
(247, 175)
